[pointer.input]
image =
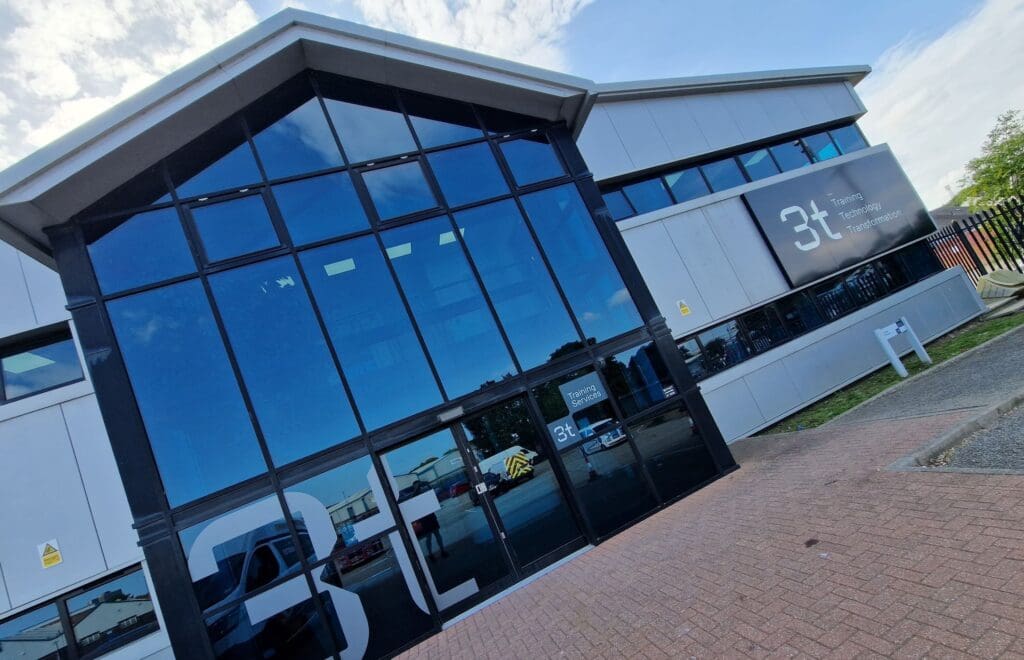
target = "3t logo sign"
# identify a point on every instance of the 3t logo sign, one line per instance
(804, 225)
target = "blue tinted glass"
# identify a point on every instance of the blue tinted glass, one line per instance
(457, 326)
(724, 346)
(848, 139)
(142, 249)
(371, 331)
(638, 378)
(41, 631)
(723, 174)
(647, 195)
(233, 228)
(532, 159)
(292, 380)
(219, 160)
(687, 184)
(617, 204)
(299, 142)
(581, 262)
(468, 174)
(790, 155)
(40, 368)
(198, 427)
(821, 146)
(319, 208)
(399, 190)
(518, 282)
(438, 122)
(759, 164)
(367, 119)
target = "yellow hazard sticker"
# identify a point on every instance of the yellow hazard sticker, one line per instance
(49, 553)
(684, 309)
(517, 466)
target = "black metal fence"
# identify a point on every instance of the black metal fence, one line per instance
(990, 240)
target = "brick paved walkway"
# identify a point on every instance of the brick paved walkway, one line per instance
(907, 564)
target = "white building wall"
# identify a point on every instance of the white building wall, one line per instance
(58, 478)
(620, 137)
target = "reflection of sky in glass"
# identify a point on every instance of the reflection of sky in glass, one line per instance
(337, 484)
(232, 171)
(446, 300)
(468, 174)
(531, 160)
(518, 281)
(399, 190)
(41, 368)
(143, 249)
(236, 227)
(299, 142)
(321, 207)
(42, 618)
(367, 133)
(405, 458)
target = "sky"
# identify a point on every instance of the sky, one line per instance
(943, 69)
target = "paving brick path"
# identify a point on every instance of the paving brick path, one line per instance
(906, 564)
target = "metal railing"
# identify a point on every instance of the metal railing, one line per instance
(990, 240)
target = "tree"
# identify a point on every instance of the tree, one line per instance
(998, 173)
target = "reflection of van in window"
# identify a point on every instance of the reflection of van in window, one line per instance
(496, 464)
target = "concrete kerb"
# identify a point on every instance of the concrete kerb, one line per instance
(927, 372)
(918, 460)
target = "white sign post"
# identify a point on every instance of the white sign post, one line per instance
(901, 327)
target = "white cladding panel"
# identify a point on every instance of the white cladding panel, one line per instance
(45, 292)
(17, 315)
(620, 137)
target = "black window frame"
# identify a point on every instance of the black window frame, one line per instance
(33, 339)
(67, 625)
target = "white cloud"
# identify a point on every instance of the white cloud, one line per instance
(935, 102)
(528, 31)
(64, 61)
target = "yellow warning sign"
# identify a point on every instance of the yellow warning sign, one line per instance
(49, 553)
(684, 309)
(517, 466)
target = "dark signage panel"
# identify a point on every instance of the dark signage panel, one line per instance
(828, 220)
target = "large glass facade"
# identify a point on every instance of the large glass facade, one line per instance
(354, 350)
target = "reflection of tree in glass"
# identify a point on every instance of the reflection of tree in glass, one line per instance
(714, 353)
(500, 428)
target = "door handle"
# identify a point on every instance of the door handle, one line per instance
(481, 488)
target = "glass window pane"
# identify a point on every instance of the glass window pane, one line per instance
(349, 497)
(648, 195)
(292, 135)
(321, 207)
(138, 250)
(601, 466)
(848, 139)
(371, 331)
(723, 174)
(759, 164)
(617, 204)
(40, 368)
(219, 160)
(199, 428)
(821, 146)
(833, 300)
(530, 504)
(581, 262)
(446, 300)
(790, 155)
(687, 184)
(798, 314)
(724, 346)
(107, 614)
(638, 378)
(764, 329)
(399, 190)
(468, 174)
(233, 228)
(292, 380)
(367, 119)
(675, 455)
(518, 282)
(438, 121)
(35, 635)
(532, 159)
(690, 350)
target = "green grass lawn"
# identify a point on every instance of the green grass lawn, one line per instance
(960, 340)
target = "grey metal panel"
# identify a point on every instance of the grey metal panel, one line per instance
(715, 121)
(667, 277)
(644, 143)
(773, 389)
(103, 487)
(17, 315)
(5, 603)
(841, 99)
(706, 261)
(677, 125)
(734, 408)
(602, 147)
(45, 291)
(43, 499)
(748, 114)
(813, 104)
(780, 109)
(749, 255)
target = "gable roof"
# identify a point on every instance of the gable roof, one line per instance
(64, 177)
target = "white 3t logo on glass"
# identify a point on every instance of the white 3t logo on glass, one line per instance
(805, 226)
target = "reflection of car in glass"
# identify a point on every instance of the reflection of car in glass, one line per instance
(409, 485)
(602, 434)
(458, 488)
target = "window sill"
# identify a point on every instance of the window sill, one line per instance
(33, 402)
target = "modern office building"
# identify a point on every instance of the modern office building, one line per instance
(379, 328)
